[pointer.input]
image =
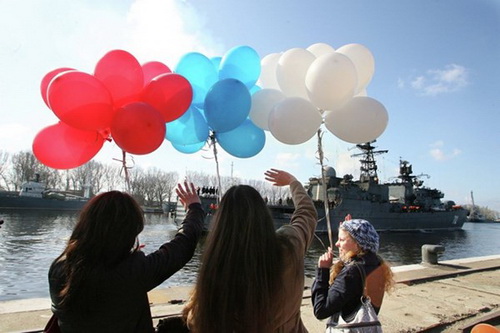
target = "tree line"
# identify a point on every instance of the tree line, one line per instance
(151, 186)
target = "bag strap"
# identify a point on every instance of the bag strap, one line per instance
(363, 278)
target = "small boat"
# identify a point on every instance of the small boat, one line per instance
(35, 195)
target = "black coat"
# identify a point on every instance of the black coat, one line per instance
(122, 303)
(344, 295)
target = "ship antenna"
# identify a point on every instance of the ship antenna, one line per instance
(368, 168)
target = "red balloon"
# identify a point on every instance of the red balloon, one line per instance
(61, 146)
(80, 100)
(122, 74)
(46, 81)
(138, 128)
(152, 69)
(171, 94)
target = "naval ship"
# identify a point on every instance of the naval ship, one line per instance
(34, 194)
(404, 204)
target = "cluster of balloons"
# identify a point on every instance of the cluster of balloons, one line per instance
(221, 103)
(138, 106)
(123, 100)
(303, 88)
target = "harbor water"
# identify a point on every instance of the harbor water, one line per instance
(30, 240)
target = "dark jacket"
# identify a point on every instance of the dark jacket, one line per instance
(121, 303)
(345, 293)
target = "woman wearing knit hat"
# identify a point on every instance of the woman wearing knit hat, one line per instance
(338, 287)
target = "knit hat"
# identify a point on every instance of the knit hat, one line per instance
(363, 233)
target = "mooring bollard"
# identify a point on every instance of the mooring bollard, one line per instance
(430, 253)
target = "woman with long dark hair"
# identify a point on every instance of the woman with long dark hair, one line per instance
(252, 276)
(100, 281)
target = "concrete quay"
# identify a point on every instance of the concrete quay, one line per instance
(451, 296)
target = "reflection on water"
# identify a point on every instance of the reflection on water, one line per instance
(30, 240)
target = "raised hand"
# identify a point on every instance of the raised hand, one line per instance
(326, 260)
(187, 194)
(279, 177)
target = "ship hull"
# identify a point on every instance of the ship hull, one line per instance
(16, 202)
(379, 215)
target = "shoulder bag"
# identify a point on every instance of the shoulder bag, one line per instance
(363, 320)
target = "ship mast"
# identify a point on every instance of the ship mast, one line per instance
(368, 169)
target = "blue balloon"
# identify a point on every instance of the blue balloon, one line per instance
(200, 72)
(254, 89)
(190, 128)
(216, 61)
(241, 63)
(227, 105)
(188, 149)
(244, 141)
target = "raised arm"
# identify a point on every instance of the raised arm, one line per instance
(173, 255)
(304, 218)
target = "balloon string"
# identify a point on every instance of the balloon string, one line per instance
(218, 193)
(125, 169)
(325, 192)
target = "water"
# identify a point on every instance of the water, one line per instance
(30, 240)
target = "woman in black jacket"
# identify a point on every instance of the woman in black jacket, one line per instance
(338, 287)
(100, 281)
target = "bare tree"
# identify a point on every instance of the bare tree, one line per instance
(157, 186)
(150, 182)
(165, 185)
(4, 167)
(113, 177)
(198, 178)
(51, 177)
(90, 175)
(137, 184)
(24, 168)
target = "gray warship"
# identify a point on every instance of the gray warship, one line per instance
(35, 195)
(404, 205)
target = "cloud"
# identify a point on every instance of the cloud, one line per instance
(287, 159)
(170, 29)
(77, 34)
(439, 81)
(12, 134)
(439, 154)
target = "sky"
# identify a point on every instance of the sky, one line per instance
(436, 73)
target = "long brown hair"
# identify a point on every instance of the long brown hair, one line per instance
(103, 236)
(384, 266)
(241, 268)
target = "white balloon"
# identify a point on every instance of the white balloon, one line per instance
(268, 64)
(294, 121)
(263, 102)
(291, 72)
(331, 81)
(362, 119)
(319, 49)
(362, 93)
(363, 60)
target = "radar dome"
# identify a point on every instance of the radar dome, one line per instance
(330, 172)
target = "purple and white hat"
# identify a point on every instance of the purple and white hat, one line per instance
(363, 233)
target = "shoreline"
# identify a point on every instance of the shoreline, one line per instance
(450, 296)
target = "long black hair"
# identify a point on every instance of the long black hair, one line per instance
(104, 235)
